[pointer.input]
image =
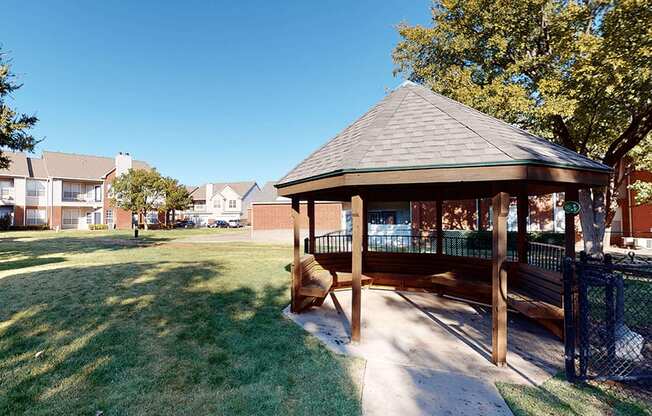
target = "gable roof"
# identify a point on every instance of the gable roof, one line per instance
(241, 188)
(71, 165)
(17, 166)
(269, 193)
(197, 193)
(415, 128)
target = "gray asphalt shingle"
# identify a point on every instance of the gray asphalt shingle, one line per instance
(415, 127)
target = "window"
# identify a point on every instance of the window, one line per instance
(98, 193)
(109, 217)
(232, 203)
(6, 188)
(89, 217)
(217, 203)
(72, 192)
(35, 188)
(70, 217)
(152, 217)
(382, 217)
(36, 216)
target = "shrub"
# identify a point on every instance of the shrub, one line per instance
(41, 227)
(5, 222)
(98, 227)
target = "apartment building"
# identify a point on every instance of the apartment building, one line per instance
(220, 201)
(63, 190)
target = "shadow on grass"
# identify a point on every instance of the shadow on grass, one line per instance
(556, 396)
(160, 338)
(29, 262)
(33, 245)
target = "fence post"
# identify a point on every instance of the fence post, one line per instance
(583, 312)
(610, 312)
(569, 321)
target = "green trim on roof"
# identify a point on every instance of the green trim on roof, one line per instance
(525, 162)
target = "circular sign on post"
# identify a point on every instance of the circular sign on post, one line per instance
(572, 207)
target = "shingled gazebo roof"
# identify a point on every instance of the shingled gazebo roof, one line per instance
(414, 128)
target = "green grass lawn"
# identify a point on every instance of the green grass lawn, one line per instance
(97, 321)
(558, 397)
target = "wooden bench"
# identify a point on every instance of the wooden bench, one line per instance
(537, 294)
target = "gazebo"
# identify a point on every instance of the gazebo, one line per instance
(416, 145)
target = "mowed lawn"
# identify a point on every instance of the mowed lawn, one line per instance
(98, 321)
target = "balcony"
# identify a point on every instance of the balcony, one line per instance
(7, 195)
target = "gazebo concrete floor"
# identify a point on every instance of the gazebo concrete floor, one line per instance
(427, 354)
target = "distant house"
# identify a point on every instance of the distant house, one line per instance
(632, 223)
(272, 212)
(63, 190)
(220, 201)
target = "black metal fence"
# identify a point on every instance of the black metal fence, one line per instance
(546, 256)
(608, 320)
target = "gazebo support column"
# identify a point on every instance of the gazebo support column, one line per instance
(311, 226)
(440, 227)
(571, 194)
(522, 213)
(296, 262)
(500, 204)
(357, 215)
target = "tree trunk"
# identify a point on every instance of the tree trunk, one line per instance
(592, 218)
(144, 216)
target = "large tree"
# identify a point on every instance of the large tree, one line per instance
(14, 126)
(139, 191)
(578, 73)
(176, 197)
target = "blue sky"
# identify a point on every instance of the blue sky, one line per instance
(203, 90)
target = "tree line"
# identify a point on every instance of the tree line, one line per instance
(142, 191)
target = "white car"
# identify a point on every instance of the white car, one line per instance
(235, 224)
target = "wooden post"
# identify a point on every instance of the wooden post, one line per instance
(365, 227)
(522, 209)
(571, 194)
(356, 265)
(296, 263)
(440, 227)
(500, 204)
(311, 226)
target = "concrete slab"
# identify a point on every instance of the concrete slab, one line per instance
(428, 354)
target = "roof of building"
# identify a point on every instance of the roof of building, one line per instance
(241, 188)
(198, 193)
(415, 128)
(269, 193)
(72, 165)
(18, 164)
(37, 168)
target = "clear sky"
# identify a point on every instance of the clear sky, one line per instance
(203, 90)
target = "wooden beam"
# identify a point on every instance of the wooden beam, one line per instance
(440, 227)
(500, 204)
(571, 194)
(296, 263)
(483, 174)
(311, 226)
(522, 209)
(356, 265)
(365, 226)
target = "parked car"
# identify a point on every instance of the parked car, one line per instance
(235, 224)
(184, 224)
(219, 224)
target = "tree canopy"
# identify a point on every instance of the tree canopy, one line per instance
(14, 126)
(578, 73)
(139, 191)
(176, 196)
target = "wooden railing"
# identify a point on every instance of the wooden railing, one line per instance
(545, 256)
